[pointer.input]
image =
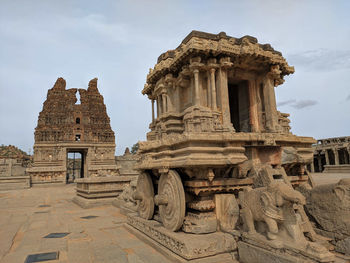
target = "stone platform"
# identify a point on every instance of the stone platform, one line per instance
(14, 182)
(249, 253)
(342, 168)
(97, 191)
(183, 247)
(95, 235)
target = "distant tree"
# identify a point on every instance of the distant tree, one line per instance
(135, 148)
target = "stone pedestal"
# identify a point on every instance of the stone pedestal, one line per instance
(14, 182)
(97, 191)
(183, 247)
(249, 253)
(342, 168)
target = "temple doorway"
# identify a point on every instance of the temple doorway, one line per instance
(76, 164)
(239, 105)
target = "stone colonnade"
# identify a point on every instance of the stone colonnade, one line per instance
(167, 92)
(341, 156)
(163, 101)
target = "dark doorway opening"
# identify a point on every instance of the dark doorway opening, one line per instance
(331, 157)
(76, 164)
(239, 105)
(319, 163)
(343, 156)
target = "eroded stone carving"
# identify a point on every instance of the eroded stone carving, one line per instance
(125, 199)
(329, 206)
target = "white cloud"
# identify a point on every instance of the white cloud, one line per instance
(297, 104)
(286, 102)
(322, 59)
(304, 103)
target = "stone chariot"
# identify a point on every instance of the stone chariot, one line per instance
(217, 132)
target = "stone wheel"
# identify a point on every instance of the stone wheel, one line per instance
(172, 210)
(144, 195)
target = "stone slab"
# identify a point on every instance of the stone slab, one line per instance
(89, 203)
(48, 183)
(342, 168)
(102, 180)
(249, 253)
(101, 188)
(123, 209)
(14, 182)
(187, 246)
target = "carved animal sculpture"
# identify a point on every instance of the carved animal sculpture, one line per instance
(266, 204)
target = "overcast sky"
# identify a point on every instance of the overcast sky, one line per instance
(118, 41)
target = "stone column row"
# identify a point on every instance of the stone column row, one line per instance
(212, 99)
(336, 156)
(163, 105)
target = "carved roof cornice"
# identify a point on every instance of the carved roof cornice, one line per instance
(213, 45)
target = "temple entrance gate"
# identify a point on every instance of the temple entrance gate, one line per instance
(76, 164)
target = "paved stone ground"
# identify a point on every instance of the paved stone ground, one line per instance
(23, 224)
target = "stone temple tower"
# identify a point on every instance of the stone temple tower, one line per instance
(64, 127)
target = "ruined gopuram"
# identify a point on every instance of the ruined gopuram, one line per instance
(64, 126)
(220, 166)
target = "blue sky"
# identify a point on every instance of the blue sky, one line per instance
(118, 41)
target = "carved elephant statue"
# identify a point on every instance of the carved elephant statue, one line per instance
(265, 204)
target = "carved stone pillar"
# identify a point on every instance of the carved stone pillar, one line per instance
(160, 106)
(312, 166)
(253, 107)
(319, 163)
(169, 103)
(164, 104)
(223, 86)
(177, 103)
(152, 110)
(226, 116)
(210, 104)
(327, 156)
(348, 149)
(270, 104)
(196, 87)
(336, 156)
(213, 89)
(343, 151)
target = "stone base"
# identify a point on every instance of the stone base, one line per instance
(249, 253)
(101, 187)
(48, 184)
(96, 191)
(14, 182)
(123, 209)
(342, 168)
(214, 247)
(88, 203)
(262, 250)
